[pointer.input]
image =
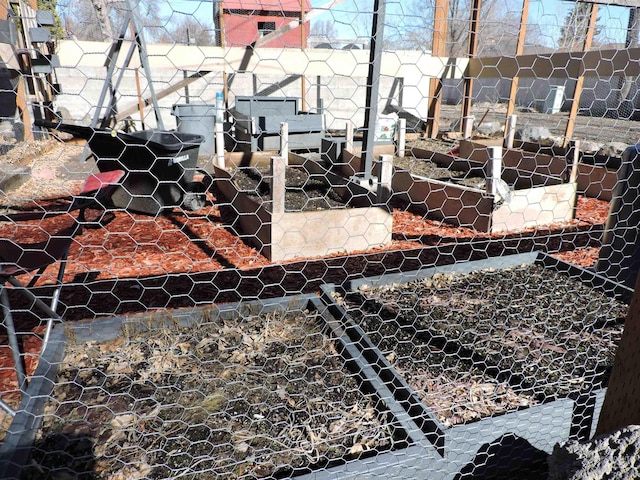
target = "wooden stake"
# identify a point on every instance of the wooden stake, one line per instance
(278, 183)
(573, 176)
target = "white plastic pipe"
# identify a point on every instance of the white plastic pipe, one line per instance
(467, 126)
(219, 133)
(284, 141)
(349, 137)
(384, 178)
(402, 137)
(494, 172)
(511, 131)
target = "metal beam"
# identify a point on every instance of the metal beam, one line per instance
(371, 108)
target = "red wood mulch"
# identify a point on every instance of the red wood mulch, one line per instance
(178, 260)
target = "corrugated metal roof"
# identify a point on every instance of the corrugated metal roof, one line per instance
(277, 5)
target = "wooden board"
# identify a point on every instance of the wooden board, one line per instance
(621, 405)
(535, 207)
(571, 65)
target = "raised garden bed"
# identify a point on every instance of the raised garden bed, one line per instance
(478, 350)
(597, 175)
(241, 391)
(319, 214)
(460, 197)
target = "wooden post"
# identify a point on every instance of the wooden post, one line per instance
(621, 406)
(473, 49)
(303, 46)
(402, 137)
(439, 49)
(384, 178)
(278, 184)
(223, 44)
(575, 104)
(524, 17)
(284, 141)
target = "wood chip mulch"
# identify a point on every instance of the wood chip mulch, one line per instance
(137, 262)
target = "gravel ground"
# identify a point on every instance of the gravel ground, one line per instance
(611, 457)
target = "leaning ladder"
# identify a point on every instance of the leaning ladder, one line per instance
(131, 22)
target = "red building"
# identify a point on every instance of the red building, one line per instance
(243, 22)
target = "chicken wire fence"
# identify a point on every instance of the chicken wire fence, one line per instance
(314, 240)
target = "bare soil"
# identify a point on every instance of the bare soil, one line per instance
(426, 168)
(478, 344)
(304, 191)
(259, 395)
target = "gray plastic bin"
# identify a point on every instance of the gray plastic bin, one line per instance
(198, 119)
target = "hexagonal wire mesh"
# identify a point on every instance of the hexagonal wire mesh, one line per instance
(320, 240)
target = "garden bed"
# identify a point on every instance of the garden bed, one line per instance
(486, 340)
(596, 177)
(455, 189)
(246, 391)
(319, 214)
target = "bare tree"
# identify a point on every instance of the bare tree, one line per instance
(188, 31)
(324, 29)
(497, 35)
(102, 20)
(574, 31)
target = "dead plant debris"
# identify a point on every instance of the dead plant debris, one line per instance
(253, 396)
(479, 344)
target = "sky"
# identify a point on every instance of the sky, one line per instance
(351, 18)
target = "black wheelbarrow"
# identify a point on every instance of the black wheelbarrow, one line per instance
(159, 166)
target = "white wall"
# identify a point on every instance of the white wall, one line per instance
(339, 77)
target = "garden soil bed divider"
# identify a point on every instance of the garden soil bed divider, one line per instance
(514, 436)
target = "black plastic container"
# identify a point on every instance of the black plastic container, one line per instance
(159, 165)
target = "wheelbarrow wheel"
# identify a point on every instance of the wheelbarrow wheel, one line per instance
(195, 197)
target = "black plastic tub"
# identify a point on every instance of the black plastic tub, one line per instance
(159, 165)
